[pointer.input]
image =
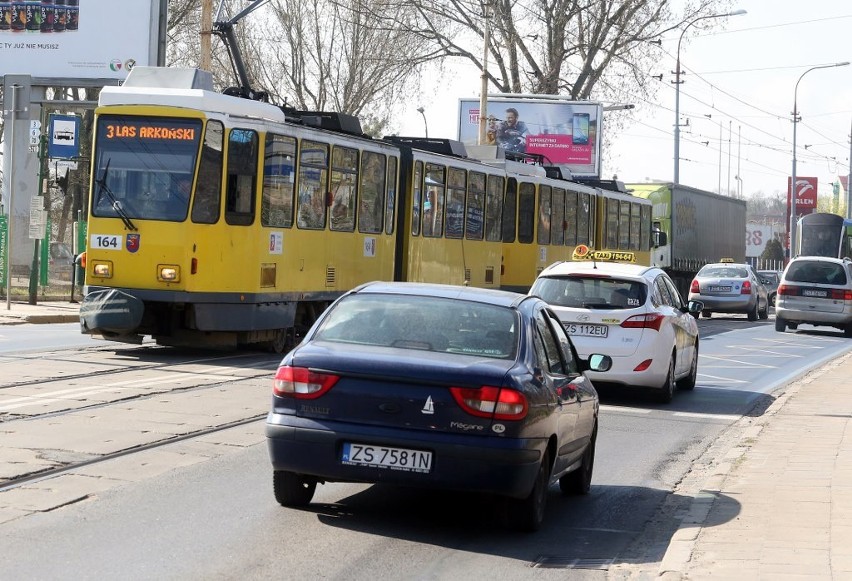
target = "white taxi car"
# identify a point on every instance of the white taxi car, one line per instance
(633, 313)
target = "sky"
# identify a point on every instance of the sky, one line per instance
(737, 96)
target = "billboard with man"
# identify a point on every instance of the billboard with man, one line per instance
(565, 133)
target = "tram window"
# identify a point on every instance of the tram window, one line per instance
(526, 213)
(208, 191)
(557, 231)
(645, 228)
(433, 201)
(493, 201)
(455, 202)
(416, 198)
(634, 226)
(475, 215)
(611, 210)
(276, 205)
(544, 214)
(585, 219)
(570, 218)
(344, 167)
(391, 196)
(510, 207)
(313, 175)
(623, 225)
(242, 177)
(373, 177)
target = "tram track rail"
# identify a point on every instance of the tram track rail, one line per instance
(55, 471)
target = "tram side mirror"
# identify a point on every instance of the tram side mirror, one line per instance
(659, 238)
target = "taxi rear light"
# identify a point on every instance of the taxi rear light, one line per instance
(644, 365)
(498, 403)
(694, 288)
(301, 382)
(788, 290)
(746, 290)
(841, 294)
(646, 321)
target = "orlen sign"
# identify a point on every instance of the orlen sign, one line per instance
(806, 195)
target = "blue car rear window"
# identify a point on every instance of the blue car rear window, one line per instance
(422, 323)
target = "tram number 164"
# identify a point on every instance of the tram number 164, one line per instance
(105, 242)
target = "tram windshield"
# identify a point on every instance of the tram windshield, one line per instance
(144, 167)
(822, 234)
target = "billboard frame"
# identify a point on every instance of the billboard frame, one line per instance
(566, 133)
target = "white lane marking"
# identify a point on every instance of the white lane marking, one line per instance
(725, 417)
(626, 410)
(728, 379)
(743, 363)
(641, 411)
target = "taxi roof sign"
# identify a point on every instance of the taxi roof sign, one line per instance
(727, 260)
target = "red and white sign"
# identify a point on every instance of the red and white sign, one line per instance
(806, 195)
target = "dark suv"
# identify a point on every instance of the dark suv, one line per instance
(770, 279)
(815, 290)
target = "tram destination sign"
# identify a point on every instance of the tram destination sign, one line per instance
(69, 39)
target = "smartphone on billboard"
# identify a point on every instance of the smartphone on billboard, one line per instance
(581, 128)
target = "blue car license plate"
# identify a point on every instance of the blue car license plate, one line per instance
(404, 459)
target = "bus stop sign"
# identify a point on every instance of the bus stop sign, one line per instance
(63, 139)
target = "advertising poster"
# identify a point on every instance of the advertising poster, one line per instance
(78, 39)
(565, 133)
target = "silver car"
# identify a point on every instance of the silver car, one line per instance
(728, 287)
(815, 290)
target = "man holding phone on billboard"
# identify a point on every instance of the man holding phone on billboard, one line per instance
(511, 134)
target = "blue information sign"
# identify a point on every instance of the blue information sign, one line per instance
(63, 139)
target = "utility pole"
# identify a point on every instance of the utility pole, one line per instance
(483, 96)
(729, 156)
(849, 180)
(206, 35)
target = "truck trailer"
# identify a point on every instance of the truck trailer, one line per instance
(701, 227)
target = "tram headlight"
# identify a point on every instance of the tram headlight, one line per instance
(102, 269)
(168, 273)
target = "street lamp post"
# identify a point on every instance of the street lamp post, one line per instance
(677, 83)
(793, 188)
(425, 125)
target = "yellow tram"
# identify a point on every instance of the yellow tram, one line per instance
(216, 221)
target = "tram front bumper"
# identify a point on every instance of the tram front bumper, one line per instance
(110, 312)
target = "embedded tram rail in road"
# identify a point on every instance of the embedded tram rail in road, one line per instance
(118, 417)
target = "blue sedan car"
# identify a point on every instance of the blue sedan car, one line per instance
(436, 386)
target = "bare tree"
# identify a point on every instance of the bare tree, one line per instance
(576, 48)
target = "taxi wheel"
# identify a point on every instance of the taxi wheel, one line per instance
(527, 514)
(753, 314)
(688, 382)
(666, 393)
(580, 480)
(292, 489)
(780, 325)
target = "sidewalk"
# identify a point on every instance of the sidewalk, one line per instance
(778, 504)
(21, 312)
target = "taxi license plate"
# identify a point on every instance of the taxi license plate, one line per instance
(814, 293)
(720, 289)
(586, 330)
(404, 459)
